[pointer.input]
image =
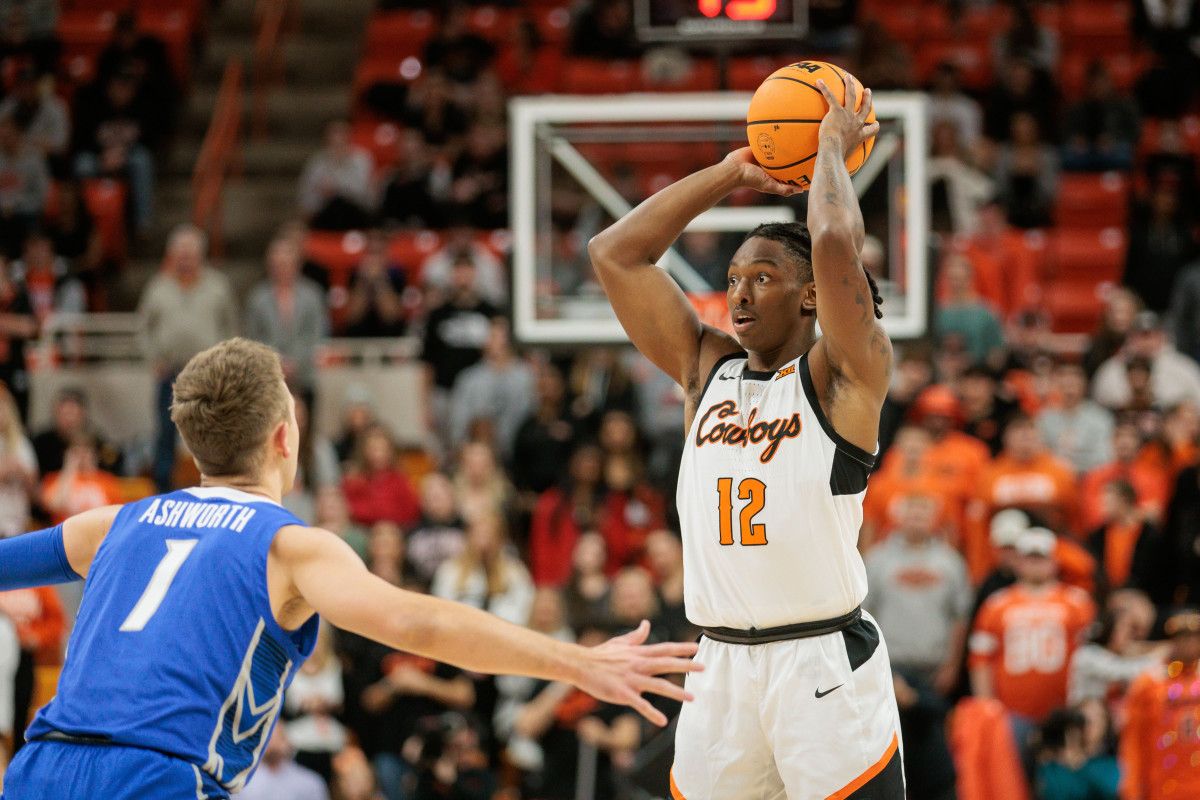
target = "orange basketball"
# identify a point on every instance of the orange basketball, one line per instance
(785, 115)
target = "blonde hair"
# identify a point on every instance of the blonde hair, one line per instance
(495, 566)
(14, 433)
(226, 402)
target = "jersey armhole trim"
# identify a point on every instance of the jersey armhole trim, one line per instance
(712, 373)
(810, 391)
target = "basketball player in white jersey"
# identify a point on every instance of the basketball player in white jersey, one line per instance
(797, 699)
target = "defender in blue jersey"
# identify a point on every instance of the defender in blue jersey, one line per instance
(200, 605)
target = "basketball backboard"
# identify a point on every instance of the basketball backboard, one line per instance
(578, 163)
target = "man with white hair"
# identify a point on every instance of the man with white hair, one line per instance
(187, 307)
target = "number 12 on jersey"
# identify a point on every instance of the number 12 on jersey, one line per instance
(752, 490)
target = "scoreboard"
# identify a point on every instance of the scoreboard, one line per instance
(701, 20)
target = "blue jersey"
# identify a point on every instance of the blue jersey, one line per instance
(176, 648)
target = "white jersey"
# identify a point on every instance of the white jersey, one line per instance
(770, 502)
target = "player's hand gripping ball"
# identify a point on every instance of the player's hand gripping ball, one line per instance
(784, 121)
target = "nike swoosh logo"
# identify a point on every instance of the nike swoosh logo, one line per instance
(728, 377)
(820, 694)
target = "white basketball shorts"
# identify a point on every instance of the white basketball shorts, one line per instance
(801, 719)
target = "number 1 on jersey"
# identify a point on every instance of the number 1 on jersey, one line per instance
(753, 490)
(177, 552)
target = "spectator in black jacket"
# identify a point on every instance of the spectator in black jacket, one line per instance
(604, 29)
(1102, 128)
(1161, 242)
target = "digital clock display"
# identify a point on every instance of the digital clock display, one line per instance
(659, 20)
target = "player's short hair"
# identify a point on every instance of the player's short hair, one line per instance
(796, 239)
(226, 402)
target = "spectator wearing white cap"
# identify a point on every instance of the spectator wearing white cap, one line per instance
(1007, 525)
(1025, 635)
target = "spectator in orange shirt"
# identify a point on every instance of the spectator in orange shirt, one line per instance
(1024, 636)
(1026, 476)
(1149, 480)
(1125, 545)
(81, 485)
(955, 460)
(904, 471)
(1160, 747)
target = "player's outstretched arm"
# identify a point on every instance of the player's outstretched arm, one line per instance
(651, 307)
(855, 343)
(329, 578)
(61, 554)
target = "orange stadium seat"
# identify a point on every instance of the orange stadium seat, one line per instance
(594, 76)
(398, 33)
(105, 202)
(1089, 201)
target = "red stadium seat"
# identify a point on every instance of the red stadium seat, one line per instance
(104, 199)
(339, 253)
(1091, 202)
(409, 249)
(498, 241)
(745, 74)
(85, 29)
(174, 28)
(1098, 30)
(553, 23)
(701, 77)
(1088, 255)
(1191, 133)
(1096, 19)
(972, 57)
(904, 22)
(371, 71)
(1125, 69)
(494, 24)
(593, 76)
(380, 140)
(1075, 307)
(394, 34)
(1084, 264)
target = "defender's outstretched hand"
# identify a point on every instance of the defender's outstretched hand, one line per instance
(847, 126)
(622, 668)
(753, 176)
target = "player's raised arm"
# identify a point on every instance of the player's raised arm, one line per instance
(329, 577)
(653, 310)
(855, 343)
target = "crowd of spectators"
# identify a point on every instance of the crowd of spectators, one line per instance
(1036, 511)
